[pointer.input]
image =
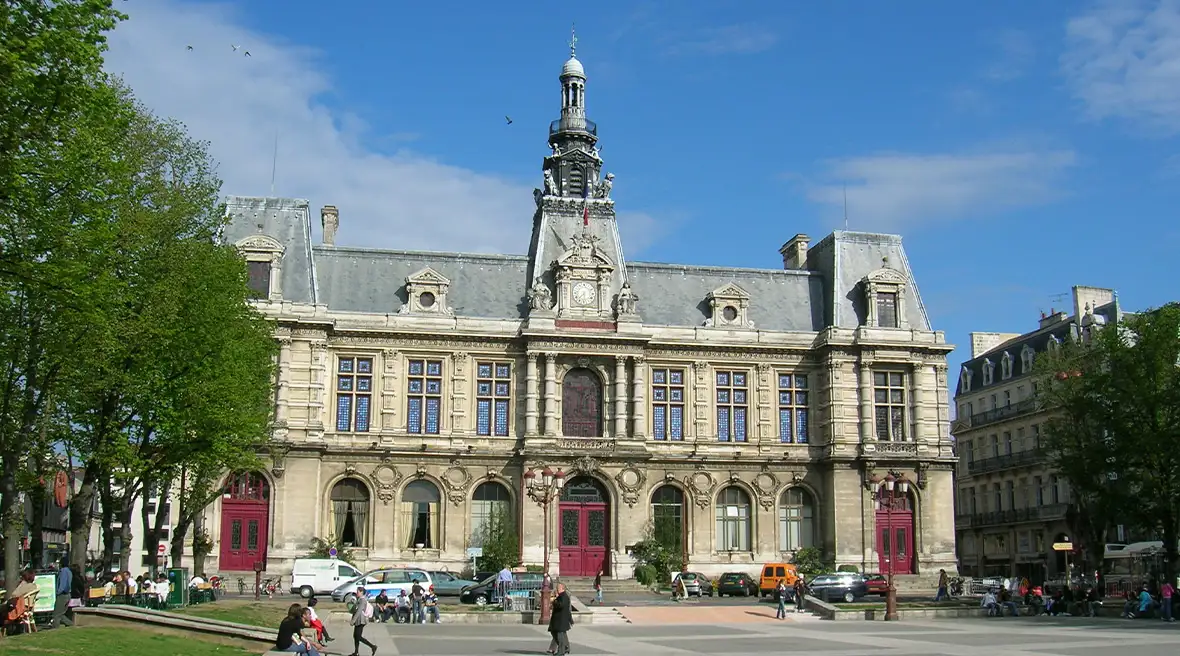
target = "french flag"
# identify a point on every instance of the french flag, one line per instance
(585, 205)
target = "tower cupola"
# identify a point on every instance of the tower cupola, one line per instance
(573, 169)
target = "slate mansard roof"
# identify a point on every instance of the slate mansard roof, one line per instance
(1038, 340)
(828, 292)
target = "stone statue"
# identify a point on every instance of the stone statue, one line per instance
(627, 300)
(550, 183)
(603, 189)
(539, 297)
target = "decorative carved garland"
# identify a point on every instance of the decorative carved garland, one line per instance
(701, 483)
(457, 480)
(766, 484)
(385, 479)
(631, 481)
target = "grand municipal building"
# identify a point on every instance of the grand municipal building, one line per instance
(759, 410)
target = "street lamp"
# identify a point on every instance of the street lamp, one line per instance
(543, 490)
(888, 493)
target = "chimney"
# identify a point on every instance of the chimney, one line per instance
(794, 252)
(330, 219)
(1052, 318)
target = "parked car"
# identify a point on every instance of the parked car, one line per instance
(877, 584)
(447, 584)
(843, 586)
(482, 593)
(772, 573)
(736, 584)
(391, 580)
(696, 584)
(313, 576)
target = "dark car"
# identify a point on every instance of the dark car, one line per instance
(843, 586)
(482, 593)
(447, 584)
(736, 584)
(877, 584)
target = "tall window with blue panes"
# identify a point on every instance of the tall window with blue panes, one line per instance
(732, 404)
(424, 384)
(354, 393)
(792, 408)
(493, 396)
(667, 404)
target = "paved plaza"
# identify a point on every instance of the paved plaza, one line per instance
(689, 634)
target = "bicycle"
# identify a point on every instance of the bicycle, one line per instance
(241, 586)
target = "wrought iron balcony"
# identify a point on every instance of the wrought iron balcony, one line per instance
(1007, 412)
(1016, 516)
(1007, 461)
(573, 125)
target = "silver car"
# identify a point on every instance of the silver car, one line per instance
(696, 584)
(389, 580)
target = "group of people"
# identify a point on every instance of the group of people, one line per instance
(404, 608)
(292, 638)
(782, 595)
(1086, 602)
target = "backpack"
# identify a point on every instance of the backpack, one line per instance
(368, 610)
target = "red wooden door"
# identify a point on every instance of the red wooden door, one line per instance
(245, 522)
(584, 536)
(895, 542)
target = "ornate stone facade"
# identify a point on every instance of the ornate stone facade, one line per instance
(752, 407)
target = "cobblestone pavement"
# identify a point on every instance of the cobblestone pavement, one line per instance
(689, 634)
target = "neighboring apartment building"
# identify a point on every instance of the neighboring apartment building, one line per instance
(1011, 507)
(759, 409)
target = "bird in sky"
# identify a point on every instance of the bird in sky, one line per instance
(509, 119)
(188, 47)
(234, 47)
(247, 53)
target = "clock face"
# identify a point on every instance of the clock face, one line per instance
(583, 293)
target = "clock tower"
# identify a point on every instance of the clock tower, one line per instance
(575, 257)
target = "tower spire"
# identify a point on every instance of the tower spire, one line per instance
(575, 165)
(573, 41)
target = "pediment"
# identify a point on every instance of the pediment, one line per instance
(583, 252)
(886, 275)
(260, 243)
(427, 276)
(729, 290)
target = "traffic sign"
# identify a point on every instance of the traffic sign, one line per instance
(1062, 546)
(161, 550)
(332, 552)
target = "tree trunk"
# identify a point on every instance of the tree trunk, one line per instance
(150, 539)
(1170, 549)
(107, 502)
(80, 518)
(13, 517)
(37, 498)
(124, 519)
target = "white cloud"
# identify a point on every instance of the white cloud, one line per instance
(742, 39)
(891, 191)
(388, 196)
(1123, 60)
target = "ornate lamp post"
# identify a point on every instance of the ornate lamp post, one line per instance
(888, 493)
(544, 489)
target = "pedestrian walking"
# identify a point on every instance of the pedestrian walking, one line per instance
(780, 598)
(61, 600)
(1166, 592)
(800, 594)
(361, 616)
(561, 619)
(598, 588)
(942, 586)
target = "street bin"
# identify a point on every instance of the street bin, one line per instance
(178, 584)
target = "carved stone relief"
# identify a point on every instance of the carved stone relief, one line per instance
(766, 483)
(701, 484)
(457, 480)
(585, 465)
(631, 481)
(385, 478)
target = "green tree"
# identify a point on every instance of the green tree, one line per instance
(809, 562)
(661, 549)
(499, 541)
(322, 548)
(1115, 430)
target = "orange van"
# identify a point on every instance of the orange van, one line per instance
(772, 573)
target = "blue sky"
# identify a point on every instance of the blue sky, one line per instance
(1019, 147)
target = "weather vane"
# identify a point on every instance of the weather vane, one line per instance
(573, 41)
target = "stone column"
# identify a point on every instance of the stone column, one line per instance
(283, 385)
(865, 376)
(551, 394)
(620, 396)
(639, 396)
(767, 385)
(319, 375)
(918, 402)
(389, 360)
(700, 399)
(530, 395)
(459, 370)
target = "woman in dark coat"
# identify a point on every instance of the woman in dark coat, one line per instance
(561, 618)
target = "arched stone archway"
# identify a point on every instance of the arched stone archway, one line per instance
(584, 527)
(895, 532)
(245, 522)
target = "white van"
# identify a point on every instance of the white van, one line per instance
(312, 576)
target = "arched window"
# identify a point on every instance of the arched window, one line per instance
(421, 506)
(491, 512)
(667, 516)
(247, 486)
(581, 404)
(733, 520)
(350, 512)
(796, 519)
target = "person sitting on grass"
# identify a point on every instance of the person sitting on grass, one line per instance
(290, 637)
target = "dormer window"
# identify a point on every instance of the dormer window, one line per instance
(1054, 343)
(264, 263)
(426, 293)
(884, 291)
(729, 308)
(965, 380)
(1027, 357)
(1006, 366)
(989, 372)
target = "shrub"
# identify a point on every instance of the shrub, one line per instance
(320, 548)
(497, 537)
(809, 562)
(645, 574)
(661, 549)
(848, 568)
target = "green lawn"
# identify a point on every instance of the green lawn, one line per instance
(266, 614)
(90, 640)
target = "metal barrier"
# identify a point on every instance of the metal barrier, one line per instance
(519, 596)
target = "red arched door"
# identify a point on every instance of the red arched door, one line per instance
(895, 533)
(584, 527)
(245, 520)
